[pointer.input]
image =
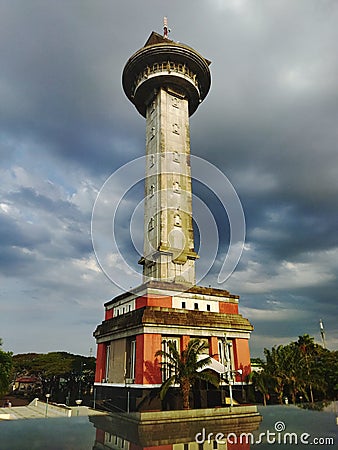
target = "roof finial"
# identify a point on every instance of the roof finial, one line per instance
(166, 30)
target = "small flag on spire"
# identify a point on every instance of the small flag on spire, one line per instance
(165, 28)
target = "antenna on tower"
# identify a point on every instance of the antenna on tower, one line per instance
(322, 332)
(166, 30)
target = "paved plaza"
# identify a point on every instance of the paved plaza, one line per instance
(39, 410)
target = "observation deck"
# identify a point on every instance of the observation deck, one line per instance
(163, 63)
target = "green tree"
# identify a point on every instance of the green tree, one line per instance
(330, 362)
(301, 368)
(62, 374)
(274, 370)
(310, 354)
(262, 383)
(185, 368)
(6, 365)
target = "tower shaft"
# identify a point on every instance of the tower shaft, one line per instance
(169, 238)
(167, 81)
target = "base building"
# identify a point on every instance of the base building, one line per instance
(166, 81)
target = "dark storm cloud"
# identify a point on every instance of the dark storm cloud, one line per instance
(269, 123)
(59, 83)
(33, 199)
(21, 235)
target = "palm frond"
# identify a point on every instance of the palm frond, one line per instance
(203, 362)
(210, 377)
(166, 385)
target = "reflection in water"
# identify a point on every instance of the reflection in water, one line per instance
(137, 431)
(178, 430)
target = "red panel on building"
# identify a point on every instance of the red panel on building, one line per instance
(100, 436)
(213, 347)
(109, 314)
(100, 363)
(153, 300)
(228, 308)
(148, 368)
(184, 342)
(242, 357)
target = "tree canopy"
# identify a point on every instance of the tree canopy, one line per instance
(301, 369)
(63, 375)
(6, 364)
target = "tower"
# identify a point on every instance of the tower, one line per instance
(166, 81)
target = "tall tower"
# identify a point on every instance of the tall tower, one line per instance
(166, 82)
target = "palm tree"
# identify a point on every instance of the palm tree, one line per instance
(261, 382)
(185, 368)
(274, 369)
(308, 349)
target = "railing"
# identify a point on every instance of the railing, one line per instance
(167, 67)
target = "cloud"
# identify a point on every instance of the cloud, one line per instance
(268, 123)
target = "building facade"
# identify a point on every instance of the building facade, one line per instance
(166, 81)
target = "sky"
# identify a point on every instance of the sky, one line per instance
(269, 124)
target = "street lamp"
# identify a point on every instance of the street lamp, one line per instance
(78, 402)
(47, 398)
(227, 368)
(80, 380)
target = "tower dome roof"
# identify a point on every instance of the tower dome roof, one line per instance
(168, 64)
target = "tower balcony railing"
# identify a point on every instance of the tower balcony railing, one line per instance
(165, 68)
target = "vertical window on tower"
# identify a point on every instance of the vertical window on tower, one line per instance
(176, 187)
(177, 220)
(208, 308)
(151, 224)
(176, 157)
(183, 305)
(152, 160)
(176, 129)
(152, 190)
(195, 305)
(175, 102)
